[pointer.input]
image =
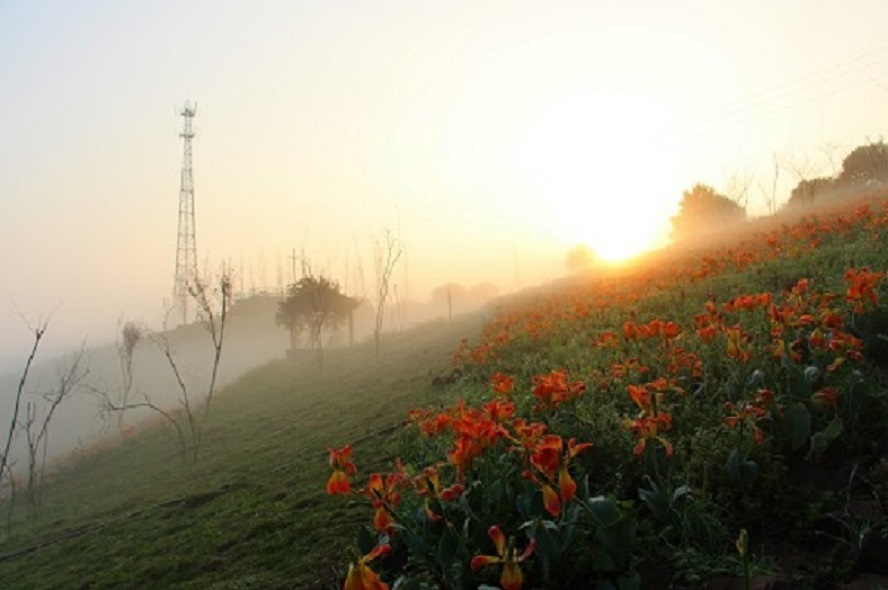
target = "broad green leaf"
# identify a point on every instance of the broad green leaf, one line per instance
(797, 425)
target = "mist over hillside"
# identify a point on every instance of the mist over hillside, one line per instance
(252, 339)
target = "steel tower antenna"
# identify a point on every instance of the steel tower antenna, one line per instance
(186, 247)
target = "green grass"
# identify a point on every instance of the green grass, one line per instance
(252, 511)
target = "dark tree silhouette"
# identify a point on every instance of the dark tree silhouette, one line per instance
(314, 305)
(866, 166)
(808, 192)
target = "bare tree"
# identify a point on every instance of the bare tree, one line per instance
(185, 401)
(829, 150)
(802, 167)
(768, 190)
(185, 421)
(385, 255)
(129, 337)
(120, 404)
(738, 184)
(5, 461)
(213, 322)
(360, 281)
(36, 425)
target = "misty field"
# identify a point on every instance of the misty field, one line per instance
(710, 417)
(251, 512)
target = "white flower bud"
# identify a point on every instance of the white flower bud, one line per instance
(811, 373)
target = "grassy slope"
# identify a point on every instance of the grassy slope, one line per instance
(252, 512)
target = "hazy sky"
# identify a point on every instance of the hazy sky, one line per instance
(492, 135)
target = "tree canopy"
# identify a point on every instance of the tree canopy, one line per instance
(580, 258)
(865, 166)
(808, 191)
(703, 210)
(314, 304)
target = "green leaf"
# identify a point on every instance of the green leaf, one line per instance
(629, 582)
(732, 466)
(366, 540)
(822, 439)
(749, 470)
(448, 547)
(681, 492)
(618, 540)
(797, 425)
(605, 512)
(657, 502)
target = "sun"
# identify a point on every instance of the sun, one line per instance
(601, 172)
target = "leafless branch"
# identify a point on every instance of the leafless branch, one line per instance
(5, 464)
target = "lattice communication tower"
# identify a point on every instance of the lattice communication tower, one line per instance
(186, 247)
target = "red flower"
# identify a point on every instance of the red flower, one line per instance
(828, 397)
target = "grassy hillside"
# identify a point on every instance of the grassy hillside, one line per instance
(251, 512)
(711, 414)
(252, 339)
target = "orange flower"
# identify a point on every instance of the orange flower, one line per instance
(753, 411)
(671, 330)
(499, 410)
(630, 331)
(738, 344)
(527, 434)
(476, 432)
(607, 340)
(862, 288)
(340, 461)
(428, 485)
(547, 456)
(554, 389)
(361, 577)
(748, 302)
(649, 427)
(549, 460)
(512, 578)
(384, 496)
(502, 384)
(640, 395)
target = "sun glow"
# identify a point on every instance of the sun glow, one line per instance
(603, 163)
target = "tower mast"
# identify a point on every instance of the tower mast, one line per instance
(186, 246)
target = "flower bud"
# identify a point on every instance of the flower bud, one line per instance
(757, 379)
(811, 373)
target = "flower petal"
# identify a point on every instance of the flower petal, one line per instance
(338, 483)
(551, 501)
(566, 485)
(480, 561)
(512, 578)
(499, 539)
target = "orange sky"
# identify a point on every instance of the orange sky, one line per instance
(492, 135)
